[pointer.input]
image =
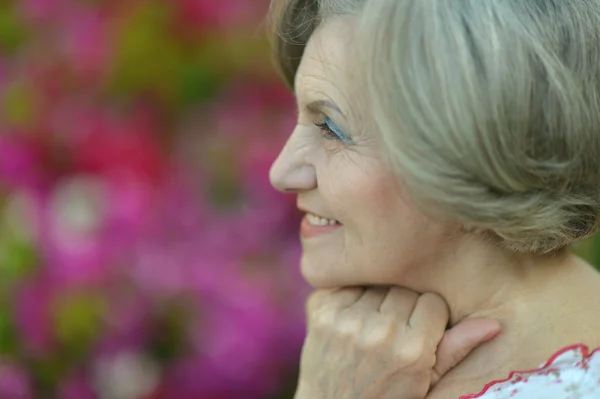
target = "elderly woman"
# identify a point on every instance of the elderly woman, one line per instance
(451, 148)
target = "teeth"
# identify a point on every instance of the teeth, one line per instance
(319, 221)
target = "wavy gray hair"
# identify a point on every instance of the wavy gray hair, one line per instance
(489, 109)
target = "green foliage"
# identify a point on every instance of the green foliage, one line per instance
(78, 319)
(17, 104)
(12, 32)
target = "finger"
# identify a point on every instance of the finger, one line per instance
(399, 302)
(430, 317)
(316, 299)
(371, 299)
(333, 299)
(459, 341)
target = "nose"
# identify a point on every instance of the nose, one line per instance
(291, 171)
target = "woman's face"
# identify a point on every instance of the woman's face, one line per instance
(367, 231)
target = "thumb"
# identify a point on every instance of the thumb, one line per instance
(459, 341)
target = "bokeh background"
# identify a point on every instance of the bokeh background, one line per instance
(143, 253)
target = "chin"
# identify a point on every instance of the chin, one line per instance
(316, 275)
(321, 275)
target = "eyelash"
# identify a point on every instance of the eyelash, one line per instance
(331, 132)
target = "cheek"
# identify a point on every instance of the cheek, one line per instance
(382, 214)
(380, 196)
(363, 194)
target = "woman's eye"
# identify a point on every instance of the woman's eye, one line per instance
(330, 131)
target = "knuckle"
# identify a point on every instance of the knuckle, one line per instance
(311, 304)
(411, 351)
(315, 300)
(380, 331)
(322, 317)
(350, 326)
(374, 337)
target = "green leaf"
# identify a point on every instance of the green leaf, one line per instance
(12, 32)
(147, 59)
(78, 319)
(18, 259)
(170, 338)
(198, 84)
(8, 333)
(17, 105)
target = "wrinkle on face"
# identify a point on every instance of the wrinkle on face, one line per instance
(329, 67)
(382, 235)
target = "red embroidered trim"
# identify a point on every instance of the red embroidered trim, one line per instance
(584, 350)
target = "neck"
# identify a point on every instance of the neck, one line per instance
(478, 280)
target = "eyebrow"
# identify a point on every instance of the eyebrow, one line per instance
(315, 106)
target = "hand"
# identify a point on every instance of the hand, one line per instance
(381, 343)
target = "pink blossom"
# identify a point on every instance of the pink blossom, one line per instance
(207, 14)
(241, 345)
(76, 386)
(75, 216)
(85, 40)
(121, 153)
(115, 212)
(18, 162)
(40, 11)
(32, 316)
(195, 377)
(14, 382)
(91, 225)
(263, 108)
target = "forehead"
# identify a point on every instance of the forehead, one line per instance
(325, 63)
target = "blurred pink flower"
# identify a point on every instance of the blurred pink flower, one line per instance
(271, 210)
(163, 271)
(76, 386)
(75, 217)
(115, 212)
(32, 316)
(264, 108)
(196, 378)
(14, 382)
(116, 152)
(92, 224)
(83, 37)
(227, 14)
(40, 11)
(86, 40)
(241, 347)
(18, 162)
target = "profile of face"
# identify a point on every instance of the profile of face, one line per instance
(360, 228)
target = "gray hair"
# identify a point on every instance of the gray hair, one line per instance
(489, 109)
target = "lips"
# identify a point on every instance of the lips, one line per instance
(317, 220)
(314, 225)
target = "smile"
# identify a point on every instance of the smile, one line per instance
(316, 220)
(313, 225)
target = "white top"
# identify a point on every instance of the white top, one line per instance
(572, 373)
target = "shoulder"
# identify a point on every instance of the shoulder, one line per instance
(573, 372)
